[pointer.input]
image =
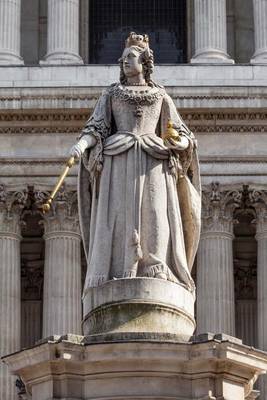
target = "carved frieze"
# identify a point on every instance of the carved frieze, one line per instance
(72, 120)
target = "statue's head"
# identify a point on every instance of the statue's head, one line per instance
(137, 58)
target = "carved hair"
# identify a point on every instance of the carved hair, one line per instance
(147, 59)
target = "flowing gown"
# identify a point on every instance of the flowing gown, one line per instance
(139, 200)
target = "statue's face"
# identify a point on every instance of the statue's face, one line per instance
(132, 64)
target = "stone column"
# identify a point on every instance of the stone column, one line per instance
(210, 32)
(11, 204)
(261, 236)
(63, 32)
(10, 32)
(260, 31)
(215, 273)
(62, 270)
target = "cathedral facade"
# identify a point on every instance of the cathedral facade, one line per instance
(56, 57)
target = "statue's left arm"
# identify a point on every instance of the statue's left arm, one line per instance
(188, 183)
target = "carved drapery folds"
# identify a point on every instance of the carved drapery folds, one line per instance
(12, 203)
(62, 271)
(215, 275)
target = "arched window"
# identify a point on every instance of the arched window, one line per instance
(110, 21)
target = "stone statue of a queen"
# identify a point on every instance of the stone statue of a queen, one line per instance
(139, 190)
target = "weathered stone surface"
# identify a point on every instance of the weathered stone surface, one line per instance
(142, 305)
(215, 369)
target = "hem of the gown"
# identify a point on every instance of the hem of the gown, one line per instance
(154, 270)
(149, 272)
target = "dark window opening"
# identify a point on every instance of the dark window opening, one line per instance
(245, 270)
(110, 22)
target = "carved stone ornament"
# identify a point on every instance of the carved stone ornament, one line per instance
(63, 216)
(218, 206)
(12, 203)
(258, 199)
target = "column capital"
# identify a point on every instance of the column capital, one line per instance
(258, 199)
(63, 218)
(12, 203)
(218, 205)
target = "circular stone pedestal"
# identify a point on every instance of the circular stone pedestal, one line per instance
(139, 305)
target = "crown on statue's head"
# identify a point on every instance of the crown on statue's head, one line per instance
(137, 40)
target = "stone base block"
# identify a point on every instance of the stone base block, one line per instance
(144, 305)
(211, 367)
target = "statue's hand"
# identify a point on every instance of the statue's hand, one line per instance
(180, 145)
(84, 143)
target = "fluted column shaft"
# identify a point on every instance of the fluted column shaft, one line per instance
(10, 32)
(261, 237)
(62, 272)
(215, 272)
(9, 287)
(210, 32)
(63, 32)
(260, 31)
(215, 284)
(246, 321)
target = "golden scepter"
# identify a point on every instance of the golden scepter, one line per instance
(70, 162)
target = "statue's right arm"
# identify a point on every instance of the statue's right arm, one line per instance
(84, 143)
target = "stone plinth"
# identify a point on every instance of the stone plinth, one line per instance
(209, 367)
(139, 305)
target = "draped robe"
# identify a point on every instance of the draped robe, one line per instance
(139, 199)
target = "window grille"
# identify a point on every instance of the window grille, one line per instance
(110, 21)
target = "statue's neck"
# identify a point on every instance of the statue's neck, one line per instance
(136, 80)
